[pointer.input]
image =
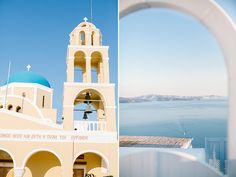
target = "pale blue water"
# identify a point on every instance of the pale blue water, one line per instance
(196, 119)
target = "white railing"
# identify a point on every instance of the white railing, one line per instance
(90, 125)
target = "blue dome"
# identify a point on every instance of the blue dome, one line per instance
(29, 77)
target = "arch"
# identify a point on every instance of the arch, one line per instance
(10, 154)
(203, 11)
(99, 53)
(96, 105)
(79, 56)
(103, 98)
(92, 38)
(96, 63)
(27, 157)
(82, 38)
(7, 163)
(95, 152)
(206, 12)
(79, 66)
(18, 109)
(43, 163)
(86, 24)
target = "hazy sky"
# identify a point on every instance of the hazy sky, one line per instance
(163, 51)
(37, 33)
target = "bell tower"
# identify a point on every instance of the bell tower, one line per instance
(88, 83)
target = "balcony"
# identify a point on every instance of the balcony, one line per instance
(90, 126)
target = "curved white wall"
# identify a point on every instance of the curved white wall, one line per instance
(164, 164)
(220, 24)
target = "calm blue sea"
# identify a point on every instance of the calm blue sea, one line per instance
(196, 119)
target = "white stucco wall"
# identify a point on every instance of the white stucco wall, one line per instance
(164, 163)
(198, 153)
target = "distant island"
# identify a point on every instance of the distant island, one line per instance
(153, 97)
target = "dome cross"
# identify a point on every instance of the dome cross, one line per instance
(28, 67)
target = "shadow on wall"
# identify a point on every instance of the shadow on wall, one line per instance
(164, 164)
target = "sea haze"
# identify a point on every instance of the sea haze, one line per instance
(153, 97)
(196, 118)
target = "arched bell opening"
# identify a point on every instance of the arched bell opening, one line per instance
(6, 164)
(89, 111)
(82, 38)
(96, 65)
(92, 38)
(83, 111)
(79, 67)
(90, 164)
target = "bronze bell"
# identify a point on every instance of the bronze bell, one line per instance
(85, 117)
(88, 109)
(87, 98)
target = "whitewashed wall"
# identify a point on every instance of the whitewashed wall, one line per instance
(161, 163)
(198, 153)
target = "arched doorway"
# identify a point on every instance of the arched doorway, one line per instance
(207, 12)
(91, 164)
(43, 164)
(6, 164)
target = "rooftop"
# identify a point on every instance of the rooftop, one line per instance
(155, 141)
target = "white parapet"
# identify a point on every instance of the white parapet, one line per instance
(85, 126)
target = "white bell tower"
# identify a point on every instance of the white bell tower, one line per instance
(86, 53)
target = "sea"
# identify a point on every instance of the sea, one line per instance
(197, 119)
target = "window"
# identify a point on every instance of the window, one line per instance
(82, 38)
(43, 102)
(92, 38)
(18, 109)
(9, 107)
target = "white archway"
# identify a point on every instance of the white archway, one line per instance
(220, 24)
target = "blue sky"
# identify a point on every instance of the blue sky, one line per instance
(37, 33)
(163, 51)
